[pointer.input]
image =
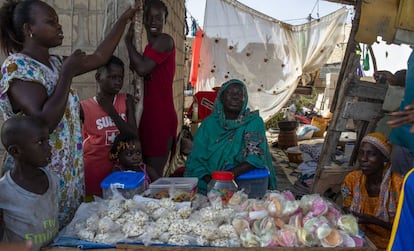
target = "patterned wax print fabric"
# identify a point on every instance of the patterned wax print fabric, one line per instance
(65, 140)
(402, 233)
(384, 206)
(220, 143)
(159, 118)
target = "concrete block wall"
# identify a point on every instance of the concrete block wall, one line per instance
(176, 28)
(84, 24)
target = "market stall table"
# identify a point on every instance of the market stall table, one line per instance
(97, 225)
(126, 247)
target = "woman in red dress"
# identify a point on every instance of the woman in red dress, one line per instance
(158, 125)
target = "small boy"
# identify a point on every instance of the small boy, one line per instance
(127, 156)
(29, 191)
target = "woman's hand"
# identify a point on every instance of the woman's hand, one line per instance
(130, 12)
(72, 65)
(242, 168)
(361, 218)
(207, 178)
(364, 219)
(369, 219)
(403, 117)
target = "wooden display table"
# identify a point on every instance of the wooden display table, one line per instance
(127, 247)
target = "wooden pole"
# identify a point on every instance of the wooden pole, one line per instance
(351, 46)
(374, 60)
(346, 75)
(138, 81)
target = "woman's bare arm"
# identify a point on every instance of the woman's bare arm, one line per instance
(106, 48)
(31, 98)
(139, 63)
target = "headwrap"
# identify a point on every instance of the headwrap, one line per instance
(387, 199)
(221, 143)
(380, 142)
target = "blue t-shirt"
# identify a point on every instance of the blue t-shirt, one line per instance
(401, 235)
(401, 135)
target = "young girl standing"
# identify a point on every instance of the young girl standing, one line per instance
(158, 124)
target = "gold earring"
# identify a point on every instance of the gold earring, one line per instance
(31, 35)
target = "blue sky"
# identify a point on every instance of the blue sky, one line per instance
(290, 11)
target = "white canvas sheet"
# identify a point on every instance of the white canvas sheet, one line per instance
(267, 54)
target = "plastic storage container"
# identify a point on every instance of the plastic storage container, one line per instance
(254, 182)
(222, 184)
(128, 184)
(178, 188)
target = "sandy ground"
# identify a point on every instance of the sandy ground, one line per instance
(287, 173)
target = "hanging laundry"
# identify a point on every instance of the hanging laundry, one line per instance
(194, 27)
(365, 64)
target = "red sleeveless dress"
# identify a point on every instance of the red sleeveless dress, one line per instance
(159, 118)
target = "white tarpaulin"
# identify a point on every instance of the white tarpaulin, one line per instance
(267, 54)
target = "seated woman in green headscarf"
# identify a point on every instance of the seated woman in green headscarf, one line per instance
(232, 136)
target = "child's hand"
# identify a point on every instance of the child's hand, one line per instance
(106, 102)
(129, 36)
(131, 102)
(16, 246)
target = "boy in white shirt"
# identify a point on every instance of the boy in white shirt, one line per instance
(29, 191)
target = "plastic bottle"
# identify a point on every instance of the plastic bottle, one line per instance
(222, 184)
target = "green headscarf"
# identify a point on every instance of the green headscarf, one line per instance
(220, 143)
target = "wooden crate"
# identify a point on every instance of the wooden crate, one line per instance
(330, 177)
